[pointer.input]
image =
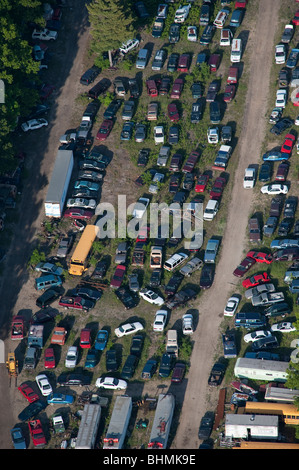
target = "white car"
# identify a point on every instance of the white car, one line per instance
(43, 384)
(128, 329)
(188, 324)
(231, 306)
(111, 383)
(44, 35)
(192, 33)
(280, 54)
(275, 189)
(283, 327)
(255, 335)
(281, 99)
(297, 121)
(129, 45)
(71, 357)
(34, 124)
(249, 178)
(182, 13)
(151, 297)
(81, 202)
(213, 135)
(160, 320)
(159, 135)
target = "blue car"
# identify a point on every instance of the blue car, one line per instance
(91, 359)
(86, 184)
(60, 399)
(275, 156)
(18, 439)
(101, 340)
(237, 17)
(127, 131)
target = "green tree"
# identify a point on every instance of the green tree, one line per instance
(111, 24)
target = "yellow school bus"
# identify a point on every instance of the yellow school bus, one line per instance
(78, 263)
(287, 412)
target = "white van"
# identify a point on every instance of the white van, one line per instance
(236, 51)
(174, 261)
(211, 210)
(221, 18)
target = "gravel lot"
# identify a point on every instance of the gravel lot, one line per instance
(196, 397)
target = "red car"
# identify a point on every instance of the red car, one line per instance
(256, 280)
(184, 63)
(217, 188)
(49, 359)
(260, 257)
(173, 112)
(201, 184)
(85, 338)
(244, 266)
(288, 144)
(152, 89)
(118, 276)
(282, 171)
(229, 93)
(143, 235)
(191, 162)
(177, 88)
(28, 392)
(295, 20)
(37, 433)
(75, 213)
(105, 129)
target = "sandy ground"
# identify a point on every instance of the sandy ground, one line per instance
(196, 397)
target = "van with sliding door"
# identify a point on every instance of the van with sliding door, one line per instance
(236, 50)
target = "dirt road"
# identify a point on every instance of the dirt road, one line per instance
(198, 397)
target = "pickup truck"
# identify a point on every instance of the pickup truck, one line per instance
(158, 27)
(229, 345)
(193, 265)
(254, 230)
(257, 290)
(222, 157)
(76, 302)
(156, 257)
(287, 33)
(267, 298)
(181, 298)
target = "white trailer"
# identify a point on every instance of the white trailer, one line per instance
(118, 424)
(280, 394)
(89, 426)
(251, 426)
(162, 422)
(258, 369)
(59, 183)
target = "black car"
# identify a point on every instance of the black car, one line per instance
(290, 206)
(181, 298)
(89, 293)
(206, 425)
(48, 297)
(165, 86)
(74, 380)
(143, 157)
(111, 360)
(174, 183)
(126, 297)
(213, 89)
(174, 33)
(215, 114)
(137, 345)
(173, 136)
(296, 229)
(129, 367)
(43, 316)
(173, 60)
(133, 88)
(279, 309)
(276, 206)
(196, 112)
(90, 75)
(100, 270)
(112, 109)
(173, 284)
(149, 369)
(266, 171)
(196, 90)
(188, 182)
(207, 276)
(32, 410)
(141, 10)
(285, 226)
(179, 198)
(207, 34)
(155, 279)
(269, 342)
(281, 126)
(216, 375)
(166, 365)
